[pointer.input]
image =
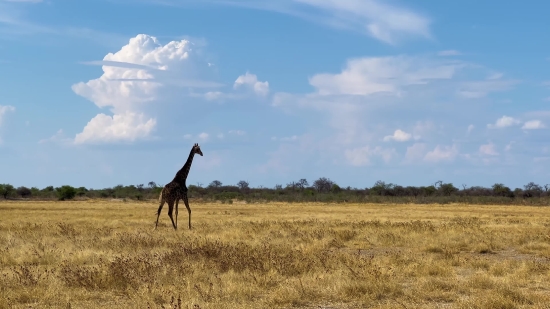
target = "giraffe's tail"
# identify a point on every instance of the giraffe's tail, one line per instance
(161, 195)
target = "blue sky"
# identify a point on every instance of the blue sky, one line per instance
(107, 92)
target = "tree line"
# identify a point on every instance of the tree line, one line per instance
(321, 190)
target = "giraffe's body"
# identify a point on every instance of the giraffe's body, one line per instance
(176, 190)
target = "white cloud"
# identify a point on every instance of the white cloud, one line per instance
(357, 107)
(441, 153)
(285, 139)
(59, 137)
(378, 19)
(237, 132)
(4, 109)
(382, 21)
(251, 80)
(479, 89)
(140, 73)
(128, 126)
(362, 156)
(415, 152)
(488, 150)
(503, 122)
(495, 76)
(203, 136)
(450, 52)
(14, 23)
(369, 75)
(533, 125)
(423, 128)
(213, 95)
(398, 136)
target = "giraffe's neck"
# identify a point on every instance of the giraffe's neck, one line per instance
(181, 175)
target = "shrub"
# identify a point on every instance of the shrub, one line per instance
(66, 193)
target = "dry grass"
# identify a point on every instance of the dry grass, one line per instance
(99, 254)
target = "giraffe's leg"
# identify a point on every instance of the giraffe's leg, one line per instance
(170, 210)
(177, 201)
(188, 208)
(158, 213)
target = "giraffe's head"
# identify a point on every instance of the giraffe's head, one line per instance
(197, 149)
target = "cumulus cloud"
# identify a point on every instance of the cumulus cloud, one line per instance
(203, 136)
(285, 139)
(237, 132)
(58, 137)
(133, 78)
(488, 150)
(442, 153)
(127, 126)
(503, 122)
(370, 75)
(371, 94)
(362, 155)
(4, 109)
(398, 136)
(533, 125)
(415, 152)
(251, 81)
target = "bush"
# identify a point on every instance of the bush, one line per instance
(66, 193)
(6, 190)
(24, 192)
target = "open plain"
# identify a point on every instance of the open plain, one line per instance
(105, 254)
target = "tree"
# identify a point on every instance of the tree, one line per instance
(335, 188)
(6, 190)
(302, 184)
(140, 187)
(447, 188)
(501, 190)
(381, 188)
(278, 187)
(215, 184)
(152, 184)
(65, 193)
(24, 192)
(81, 191)
(323, 184)
(291, 185)
(532, 189)
(243, 185)
(427, 191)
(414, 191)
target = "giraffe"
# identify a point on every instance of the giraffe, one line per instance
(176, 190)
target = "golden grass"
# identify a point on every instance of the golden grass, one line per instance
(105, 254)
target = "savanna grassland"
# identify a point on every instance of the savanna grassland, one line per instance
(105, 254)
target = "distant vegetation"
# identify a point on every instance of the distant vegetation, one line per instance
(321, 190)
